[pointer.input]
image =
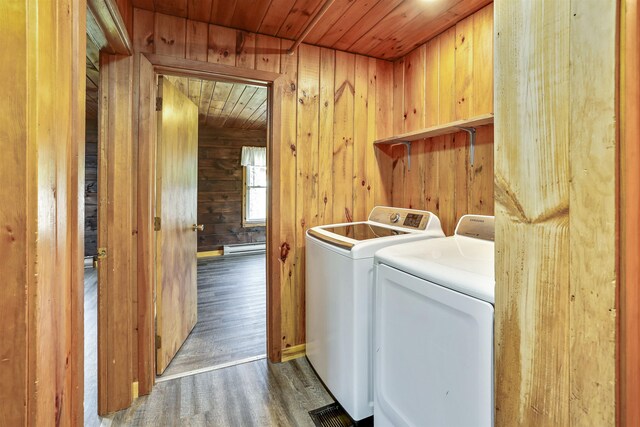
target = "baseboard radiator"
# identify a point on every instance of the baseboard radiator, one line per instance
(244, 249)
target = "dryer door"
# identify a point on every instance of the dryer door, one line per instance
(433, 354)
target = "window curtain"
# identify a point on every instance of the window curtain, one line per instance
(254, 156)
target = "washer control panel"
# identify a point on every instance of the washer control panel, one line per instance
(408, 218)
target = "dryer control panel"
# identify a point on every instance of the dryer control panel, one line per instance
(411, 219)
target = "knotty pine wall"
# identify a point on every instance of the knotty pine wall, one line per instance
(556, 249)
(41, 249)
(335, 105)
(220, 187)
(447, 79)
(91, 188)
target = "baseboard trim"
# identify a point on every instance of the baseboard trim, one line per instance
(294, 352)
(209, 254)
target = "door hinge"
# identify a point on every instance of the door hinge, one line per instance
(158, 342)
(158, 103)
(157, 223)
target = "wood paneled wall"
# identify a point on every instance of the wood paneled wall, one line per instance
(447, 79)
(333, 106)
(555, 310)
(220, 187)
(41, 171)
(91, 188)
(629, 227)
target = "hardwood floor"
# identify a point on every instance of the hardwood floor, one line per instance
(252, 394)
(231, 314)
(91, 418)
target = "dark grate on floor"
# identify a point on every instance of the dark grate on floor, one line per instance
(331, 415)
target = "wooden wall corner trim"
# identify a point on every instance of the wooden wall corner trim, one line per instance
(294, 352)
(114, 37)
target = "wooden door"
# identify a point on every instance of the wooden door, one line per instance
(176, 205)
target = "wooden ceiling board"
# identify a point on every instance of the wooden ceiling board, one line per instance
(274, 17)
(301, 13)
(172, 7)
(261, 110)
(92, 79)
(332, 18)
(259, 120)
(199, 10)
(256, 101)
(386, 29)
(205, 100)
(234, 95)
(387, 26)
(222, 104)
(402, 41)
(222, 12)
(248, 14)
(356, 24)
(243, 100)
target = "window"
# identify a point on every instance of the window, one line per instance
(255, 195)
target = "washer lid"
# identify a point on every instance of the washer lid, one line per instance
(461, 263)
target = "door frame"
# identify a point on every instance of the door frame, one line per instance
(147, 143)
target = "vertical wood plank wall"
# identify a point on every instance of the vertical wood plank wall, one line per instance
(41, 170)
(555, 157)
(449, 78)
(91, 188)
(220, 187)
(629, 327)
(318, 163)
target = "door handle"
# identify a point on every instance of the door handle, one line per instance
(102, 254)
(197, 227)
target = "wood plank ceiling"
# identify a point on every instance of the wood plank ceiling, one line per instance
(225, 105)
(386, 29)
(220, 104)
(93, 79)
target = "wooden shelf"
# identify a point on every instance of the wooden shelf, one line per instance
(444, 129)
(468, 126)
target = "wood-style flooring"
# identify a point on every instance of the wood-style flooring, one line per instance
(251, 394)
(91, 418)
(231, 314)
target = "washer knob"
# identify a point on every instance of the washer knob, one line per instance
(394, 217)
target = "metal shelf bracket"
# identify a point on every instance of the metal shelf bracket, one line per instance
(472, 141)
(407, 144)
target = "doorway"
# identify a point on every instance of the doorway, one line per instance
(91, 418)
(231, 228)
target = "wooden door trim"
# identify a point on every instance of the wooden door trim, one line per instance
(106, 27)
(207, 70)
(197, 69)
(629, 227)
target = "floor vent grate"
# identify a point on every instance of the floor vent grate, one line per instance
(331, 416)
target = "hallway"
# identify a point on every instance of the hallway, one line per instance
(252, 394)
(231, 314)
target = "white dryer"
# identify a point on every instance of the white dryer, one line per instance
(339, 298)
(434, 330)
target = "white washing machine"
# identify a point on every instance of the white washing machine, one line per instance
(339, 298)
(434, 330)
